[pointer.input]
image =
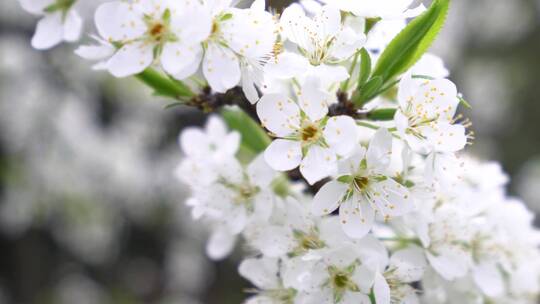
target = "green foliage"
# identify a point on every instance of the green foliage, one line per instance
(365, 68)
(369, 89)
(382, 114)
(164, 85)
(410, 44)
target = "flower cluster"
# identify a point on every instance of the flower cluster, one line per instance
(385, 207)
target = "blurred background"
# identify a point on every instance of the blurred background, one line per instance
(89, 210)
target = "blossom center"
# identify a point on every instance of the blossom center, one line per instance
(157, 30)
(360, 183)
(310, 133)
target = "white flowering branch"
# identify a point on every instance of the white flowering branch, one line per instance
(330, 95)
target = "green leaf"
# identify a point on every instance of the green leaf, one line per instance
(226, 17)
(365, 68)
(382, 114)
(370, 88)
(254, 138)
(164, 86)
(464, 102)
(412, 42)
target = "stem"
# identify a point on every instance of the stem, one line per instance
(165, 86)
(382, 114)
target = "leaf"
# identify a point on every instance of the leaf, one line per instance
(163, 85)
(365, 68)
(412, 42)
(253, 135)
(382, 114)
(369, 89)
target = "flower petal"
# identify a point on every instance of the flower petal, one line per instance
(341, 133)
(221, 68)
(381, 290)
(391, 198)
(318, 163)
(181, 60)
(262, 272)
(220, 244)
(409, 264)
(313, 101)
(118, 21)
(328, 198)
(131, 59)
(49, 32)
(356, 217)
(283, 155)
(279, 114)
(379, 152)
(72, 26)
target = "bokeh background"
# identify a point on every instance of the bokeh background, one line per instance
(89, 210)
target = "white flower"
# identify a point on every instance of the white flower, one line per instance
(386, 9)
(340, 277)
(426, 115)
(362, 189)
(323, 40)
(236, 198)
(148, 30)
(206, 150)
(391, 284)
(60, 22)
(100, 52)
(305, 136)
(264, 273)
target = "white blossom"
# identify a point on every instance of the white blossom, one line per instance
(59, 22)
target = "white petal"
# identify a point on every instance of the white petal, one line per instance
(391, 198)
(260, 173)
(192, 25)
(489, 278)
(347, 43)
(328, 198)
(286, 65)
(446, 137)
(341, 133)
(273, 241)
(49, 32)
(194, 142)
(279, 114)
(35, 6)
(318, 163)
(181, 60)
(409, 264)
(328, 22)
(294, 24)
(220, 244)
(329, 75)
(72, 26)
(262, 272)
(283, 155)
(221, 68)
(381, 290)
(118, 21)
(356, 218)
(450, 263)
(351, 297)
(313, 101)
(131, 59)
(258, 5)
(95, 52)
(407, 90)
(379, 152)
(436, 99)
